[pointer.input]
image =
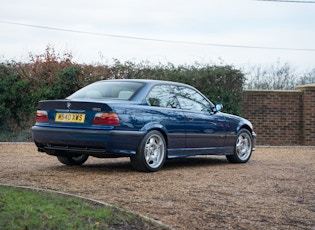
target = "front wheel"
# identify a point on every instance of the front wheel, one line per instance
(242, 148)
(151, 153)
(73, 160)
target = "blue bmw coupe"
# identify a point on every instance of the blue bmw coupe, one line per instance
(147, 120)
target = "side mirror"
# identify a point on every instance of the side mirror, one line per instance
(218, 107)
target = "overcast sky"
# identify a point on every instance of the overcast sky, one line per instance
(239, 32)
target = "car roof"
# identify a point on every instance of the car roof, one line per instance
(147, 81)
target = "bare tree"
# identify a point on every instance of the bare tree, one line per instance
(307, 78)
(273, 77)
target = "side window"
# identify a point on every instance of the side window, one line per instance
(163, 96)
(191, 100)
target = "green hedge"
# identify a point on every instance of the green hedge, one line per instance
(22, 85)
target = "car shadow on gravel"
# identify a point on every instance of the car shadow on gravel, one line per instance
(197, 161)
(101, 166)
(124, 165)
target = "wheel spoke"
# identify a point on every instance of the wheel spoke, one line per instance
(243, 146)
(154, 151)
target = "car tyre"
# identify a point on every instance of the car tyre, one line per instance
(151, 153)
(242, 148)
(73, 160)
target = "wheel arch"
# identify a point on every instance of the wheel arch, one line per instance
(158, 127)
(245, 126)
(163, 132)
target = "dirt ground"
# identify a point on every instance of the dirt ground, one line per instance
(274, 190)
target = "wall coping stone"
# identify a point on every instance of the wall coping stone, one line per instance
(273, 91)
(303, 87)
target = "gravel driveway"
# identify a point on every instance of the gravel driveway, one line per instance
(274, 190)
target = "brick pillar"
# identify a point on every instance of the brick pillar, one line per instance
(308, 114)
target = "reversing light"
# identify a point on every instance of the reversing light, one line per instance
(106, 119)
(41, 116)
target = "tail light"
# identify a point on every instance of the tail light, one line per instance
(41, 116)
(106, 119)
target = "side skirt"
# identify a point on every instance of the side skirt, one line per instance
(178, 153)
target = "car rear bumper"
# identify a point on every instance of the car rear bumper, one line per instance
(87, 140)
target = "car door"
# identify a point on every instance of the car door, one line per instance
(165, 111)
(205, 130)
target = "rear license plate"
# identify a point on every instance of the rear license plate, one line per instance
(70, 117)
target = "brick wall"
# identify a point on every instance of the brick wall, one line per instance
(282, 117)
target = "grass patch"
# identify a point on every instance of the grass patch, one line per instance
(31, 209)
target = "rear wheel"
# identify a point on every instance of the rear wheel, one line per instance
(242, 148)
(151, 153)
(73, 160)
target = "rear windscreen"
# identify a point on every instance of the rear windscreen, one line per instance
(108, 90)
